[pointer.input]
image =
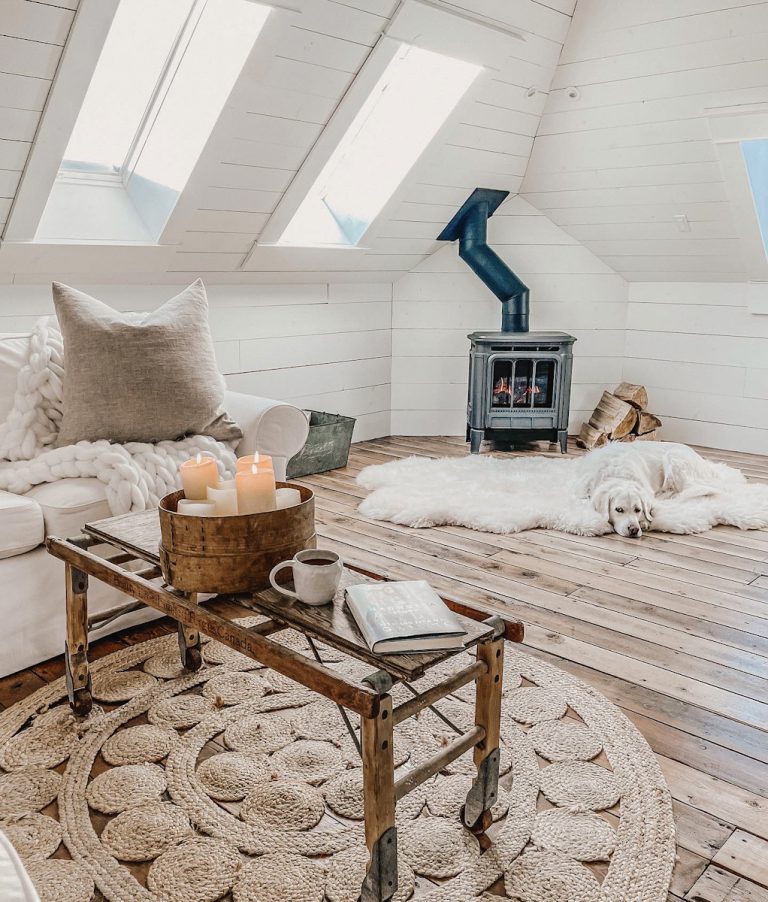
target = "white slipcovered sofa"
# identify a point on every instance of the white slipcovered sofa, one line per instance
(15, 885)
(31, 581)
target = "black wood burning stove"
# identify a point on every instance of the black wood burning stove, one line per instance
(519, 386)
(519, 381)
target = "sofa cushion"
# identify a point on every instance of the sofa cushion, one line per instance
(21, 524)
(13, 355)
(139, 382)
(68, 504)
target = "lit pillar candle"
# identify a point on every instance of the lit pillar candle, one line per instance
(262, 462)
(255, 490)
(196, 475)
(224, 498)
(287, 498)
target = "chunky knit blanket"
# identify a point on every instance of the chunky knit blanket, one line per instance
(136, 474)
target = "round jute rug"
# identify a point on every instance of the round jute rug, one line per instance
(234, 783)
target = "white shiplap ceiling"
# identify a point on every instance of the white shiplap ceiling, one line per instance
(614, 164)
(274, 118)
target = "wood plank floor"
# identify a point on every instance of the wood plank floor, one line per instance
(673, 629)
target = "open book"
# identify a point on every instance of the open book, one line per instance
(402, 617)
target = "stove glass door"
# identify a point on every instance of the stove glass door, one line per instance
(501, 397)
(544, 383)
(523, 384)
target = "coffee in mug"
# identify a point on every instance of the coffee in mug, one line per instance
(316, 576)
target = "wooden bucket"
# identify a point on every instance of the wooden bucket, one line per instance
(236, 553)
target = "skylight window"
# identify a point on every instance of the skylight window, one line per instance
(203, 80)
(755, 155)
(138, 46)
(408, 105)
(162, 79)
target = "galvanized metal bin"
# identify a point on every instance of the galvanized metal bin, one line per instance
(327, 448)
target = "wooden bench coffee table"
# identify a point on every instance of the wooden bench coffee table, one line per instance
(135, 538)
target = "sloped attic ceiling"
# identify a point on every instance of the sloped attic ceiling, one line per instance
(275, 116)
(625, 143)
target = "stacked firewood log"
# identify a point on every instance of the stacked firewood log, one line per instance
(620, 416)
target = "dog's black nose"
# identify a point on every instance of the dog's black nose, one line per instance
(634, 530)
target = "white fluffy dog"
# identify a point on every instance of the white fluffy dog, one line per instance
(626, 488)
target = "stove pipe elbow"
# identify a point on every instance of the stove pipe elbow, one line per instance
(470, 226)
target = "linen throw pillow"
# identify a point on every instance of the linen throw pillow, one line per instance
(139, 380)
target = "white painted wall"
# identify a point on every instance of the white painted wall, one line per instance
(615, 160)
(363, 349)
(696, 346)
(321, 346)
(704, 358)
(437, 304)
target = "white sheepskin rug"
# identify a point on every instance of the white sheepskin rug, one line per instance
(508, 495)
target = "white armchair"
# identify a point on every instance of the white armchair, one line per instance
(269, 427)
(32, 601)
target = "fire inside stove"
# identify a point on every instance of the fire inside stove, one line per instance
(523, 383)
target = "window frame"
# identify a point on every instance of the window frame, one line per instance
(333, 132)
(90, 26)
(328, 199)
(164, 82)
(729, 127)
(441, 30)
(80, 56)
(152, 109)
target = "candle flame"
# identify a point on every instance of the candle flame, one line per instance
(256, 457)
(199, 458)
(254, 468)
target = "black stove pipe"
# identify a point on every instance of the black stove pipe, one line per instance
(470, 227)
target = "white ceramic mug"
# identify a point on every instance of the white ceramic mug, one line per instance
(316, 576)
